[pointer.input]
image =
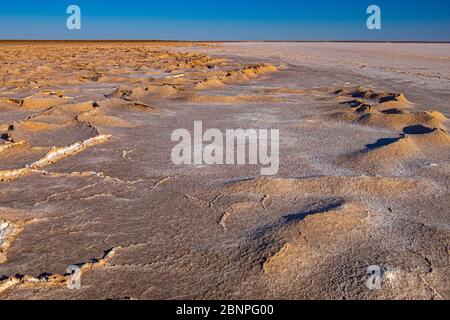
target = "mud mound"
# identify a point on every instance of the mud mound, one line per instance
(430, 136)
(385, 154)
(101, 120)
(259, 69)
(111, 113)
(78, 108)
(380, 97)
(383, 100)
(211, 83)
(388, 149)
(129, 94)
(235, 76)
(298, 241)
(393, 119)
(388, 117)
(43, 135)
(416, 138)
(393, 100)
(41, 103)
(163, 90)
(119, 105)
(59, 115)
(248, 72)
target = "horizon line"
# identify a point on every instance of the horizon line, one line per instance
(225, 41)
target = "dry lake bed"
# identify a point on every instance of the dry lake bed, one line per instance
(358, 207)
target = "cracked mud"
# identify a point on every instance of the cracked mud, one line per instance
(86, 177)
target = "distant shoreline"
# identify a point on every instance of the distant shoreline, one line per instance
(223, 41)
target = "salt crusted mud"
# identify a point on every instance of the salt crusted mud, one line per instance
(86, 177)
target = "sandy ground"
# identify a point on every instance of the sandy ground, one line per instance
(87, 178)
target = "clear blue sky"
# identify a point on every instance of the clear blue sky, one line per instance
(226, 20)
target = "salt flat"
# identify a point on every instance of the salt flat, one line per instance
(87, 177)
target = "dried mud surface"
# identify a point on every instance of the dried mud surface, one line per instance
(86, 177)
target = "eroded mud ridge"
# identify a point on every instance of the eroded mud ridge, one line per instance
(86, 177)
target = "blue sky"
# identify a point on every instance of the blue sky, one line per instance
(427, 20)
